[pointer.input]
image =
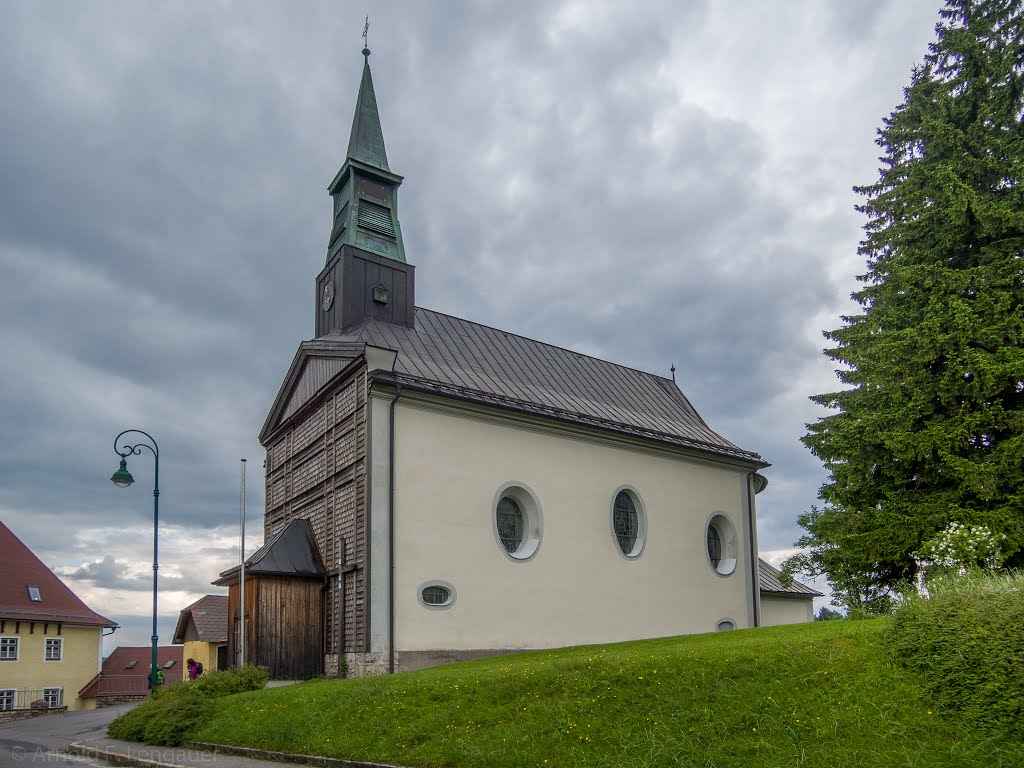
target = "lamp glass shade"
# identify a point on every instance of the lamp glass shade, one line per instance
(122, 478)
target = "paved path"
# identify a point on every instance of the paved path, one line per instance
(48, 740)
(36, 740)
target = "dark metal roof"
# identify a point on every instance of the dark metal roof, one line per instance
(771, 583)
(292, 552)
(459, 358)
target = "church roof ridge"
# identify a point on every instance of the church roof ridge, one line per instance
(532, 340)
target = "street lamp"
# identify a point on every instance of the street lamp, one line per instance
(122, 478)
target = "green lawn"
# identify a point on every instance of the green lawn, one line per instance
(823, 694)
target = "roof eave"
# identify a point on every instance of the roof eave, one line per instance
(391, 380)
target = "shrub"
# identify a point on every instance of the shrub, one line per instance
(175, 711)
(965, 643)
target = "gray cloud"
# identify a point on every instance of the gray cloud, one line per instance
(108, 573)
(659, 184)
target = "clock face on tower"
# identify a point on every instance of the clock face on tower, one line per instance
(328, 298)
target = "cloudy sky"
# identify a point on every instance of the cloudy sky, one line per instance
(649, 182)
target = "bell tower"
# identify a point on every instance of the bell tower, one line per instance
(366, 275)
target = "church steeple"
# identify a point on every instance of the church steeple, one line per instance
(366, 142)
(365, 190)
(366, 275)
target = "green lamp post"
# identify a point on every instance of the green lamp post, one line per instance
(122, 478)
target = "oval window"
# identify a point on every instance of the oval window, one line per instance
(510, 524)
(516, 520)
(629, 523)
(436, 595)
(722, 544)
(725, 625)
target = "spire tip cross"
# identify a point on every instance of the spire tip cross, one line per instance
(366, 28)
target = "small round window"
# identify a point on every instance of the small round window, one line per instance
(517, 521)
(726, 625)
(722, 544)
(436, 594)
(629, 524)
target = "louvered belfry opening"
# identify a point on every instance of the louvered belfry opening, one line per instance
(376, 217)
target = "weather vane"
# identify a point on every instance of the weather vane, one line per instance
(366, 28)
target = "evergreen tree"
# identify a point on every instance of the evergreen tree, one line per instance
(931, 428)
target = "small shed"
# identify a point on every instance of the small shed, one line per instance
(285, 593)
(203, 629)
(784, 604)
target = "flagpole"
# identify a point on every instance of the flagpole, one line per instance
(241, 581)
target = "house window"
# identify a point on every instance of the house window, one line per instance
(8, 649)
(53, 697)
(169, 664)
(726, 625)
(517, 521)
(8, 699)
(722, 544)
(436, 594)
(53, 648)
(34, 595)
(629, 522)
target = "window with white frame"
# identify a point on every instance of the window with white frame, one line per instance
(53, 648)
(629, 522)
(517, 521)
(436, 595)
(53, 697)
(722, 544)
(8, 649)
(8, 699)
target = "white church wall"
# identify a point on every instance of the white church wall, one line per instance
(577, 587)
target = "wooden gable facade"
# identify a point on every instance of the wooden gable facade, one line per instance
(316, 470)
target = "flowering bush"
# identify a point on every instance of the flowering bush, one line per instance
(961, 549)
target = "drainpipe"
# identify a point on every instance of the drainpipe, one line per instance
(391, 532)
(755, 589)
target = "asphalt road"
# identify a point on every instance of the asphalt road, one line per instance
(33, 742)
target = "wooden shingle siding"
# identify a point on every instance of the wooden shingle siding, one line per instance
(316, 470)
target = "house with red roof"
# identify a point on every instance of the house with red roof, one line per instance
(125, 673)
(49, 639)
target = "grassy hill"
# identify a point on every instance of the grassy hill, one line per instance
(823, 694)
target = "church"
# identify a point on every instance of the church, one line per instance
(439, 490)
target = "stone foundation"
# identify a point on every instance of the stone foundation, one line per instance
(423, 659)
(368, 664)
(372, 664)
(11, 715)
(109, 701)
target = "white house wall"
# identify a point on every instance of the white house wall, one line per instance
(786, 610)
(578, 588)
